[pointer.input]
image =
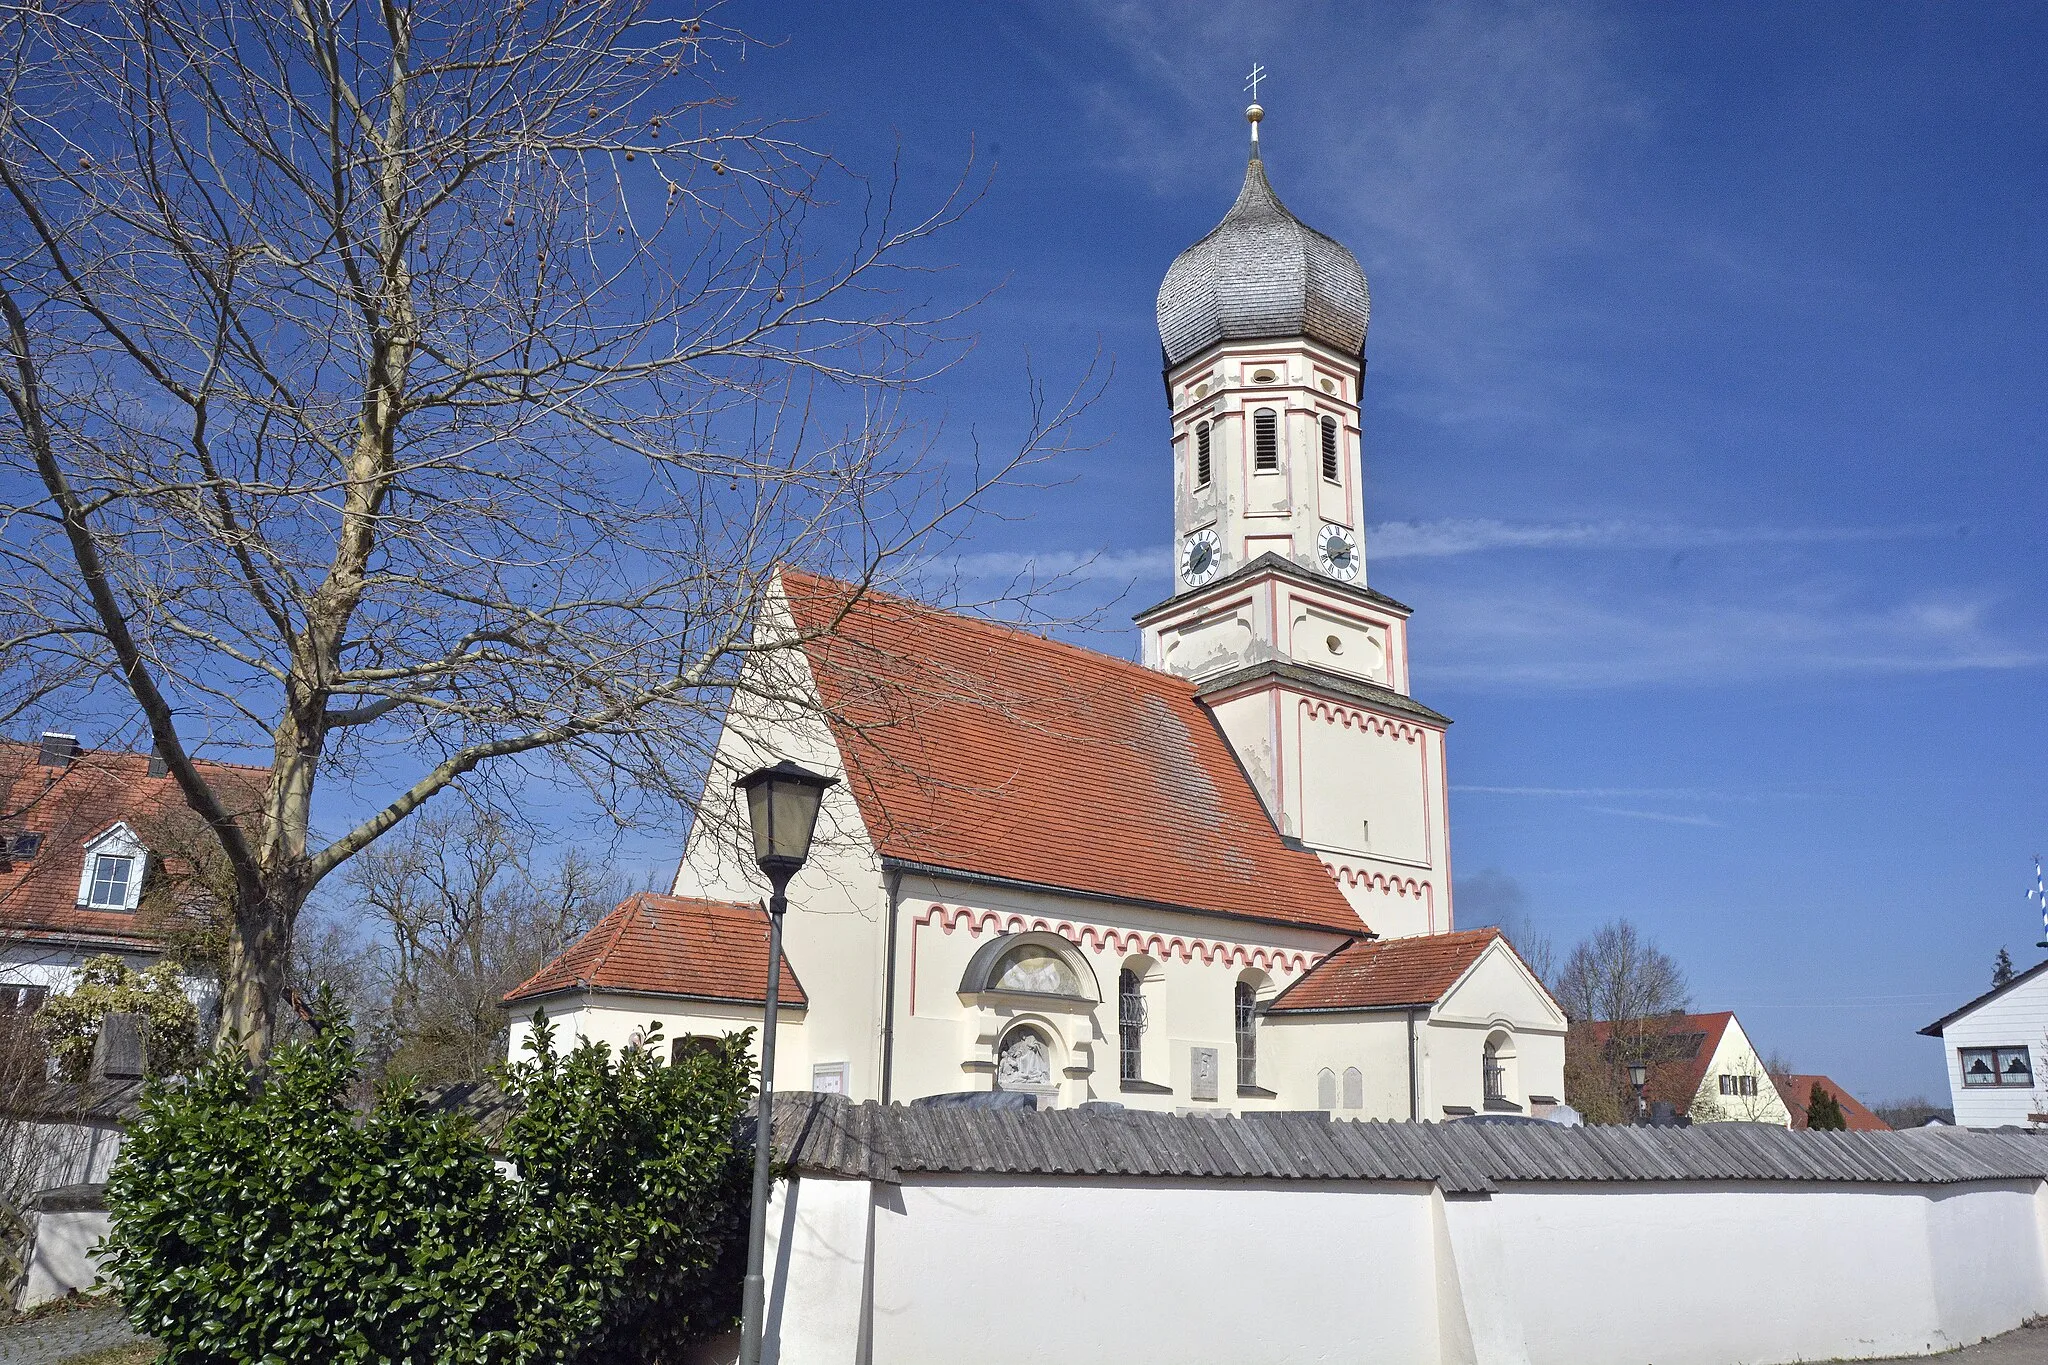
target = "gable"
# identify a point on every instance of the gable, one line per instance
(975, 747)
(1499, 986)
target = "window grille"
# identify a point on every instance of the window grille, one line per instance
(1202, 455)
(1247, 1035)
(1330, 449)
(1494, 1075)
(110, 876)
(1130, 1026)
(1265, 440)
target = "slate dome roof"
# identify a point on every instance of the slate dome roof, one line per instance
(1262, 272)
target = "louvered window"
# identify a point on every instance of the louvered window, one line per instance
(1247, 1035)
(1130, 1026)
(1201, 455)
(1330, 449)
(1265, 440)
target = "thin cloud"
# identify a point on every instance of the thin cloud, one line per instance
(1660, 817)
(1627, 793)
(1478, 535)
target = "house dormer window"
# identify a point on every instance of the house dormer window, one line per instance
(1265, 441)
(114, 866)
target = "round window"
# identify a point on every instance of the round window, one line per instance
(1263, 376)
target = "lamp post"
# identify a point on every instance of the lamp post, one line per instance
(782, 808)
(1639, 1076)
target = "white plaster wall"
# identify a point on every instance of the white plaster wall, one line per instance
(1496, 995)
(612, 1019)
(63, 1260)
(1707, 1275)
(1302, 1045)
(1015, 1272)
(2019, 1018)
(1029, 1270)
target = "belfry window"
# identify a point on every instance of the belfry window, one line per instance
(1201, 454)
(1247, 1035)
(1265, 440)
(1330, 449)
(1130, 1026)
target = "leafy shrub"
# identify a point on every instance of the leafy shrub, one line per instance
(261, 1218)
(70, 1023)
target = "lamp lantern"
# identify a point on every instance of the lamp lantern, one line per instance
(1638, 1073)
(782, 807)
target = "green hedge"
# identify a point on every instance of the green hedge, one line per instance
(267, 1218)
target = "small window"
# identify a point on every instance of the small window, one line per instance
(1265, 441)
(1263, 376)
(21, 846)
(1201, 455)
(1354, 1088)
(110, 876)
(16, 999)
(1493, 1074)
(1330, 449)
(2010, 1066)
(1326, 1089)
(687, 1045)
(1738, 1085)
(1247, 1034)
(1130, 1026)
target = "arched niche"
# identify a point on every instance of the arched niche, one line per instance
(1036, 964)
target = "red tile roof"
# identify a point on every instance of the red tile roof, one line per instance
(72, 804)
(983, 748)
(1689, 1042)
(1385, 973)
(1797, 1090)
(670, 945)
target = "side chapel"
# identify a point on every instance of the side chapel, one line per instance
(1216, 881)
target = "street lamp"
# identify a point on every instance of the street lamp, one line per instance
(1639, 1076)
(782, 808)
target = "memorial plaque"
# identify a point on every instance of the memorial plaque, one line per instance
(1202, 1073)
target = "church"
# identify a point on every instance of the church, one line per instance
(1214, 881)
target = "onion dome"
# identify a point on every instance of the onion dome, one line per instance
(1262, 272)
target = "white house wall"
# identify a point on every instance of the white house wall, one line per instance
(2018, 1018)
(614, 1018)
(1495, 999)
(1034, 1270)
(1737, 1056)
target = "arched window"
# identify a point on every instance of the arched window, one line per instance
(1354, 1088)
(1201, 454)
(1326, 1089)
(1247, 1034)
(1493, 1074)
(1130, 1025)
(1330, 449)
(1037, 970)
(1265, 440)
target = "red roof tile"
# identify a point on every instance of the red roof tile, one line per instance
(670, 945)
(69, 806)
(1690, 1041)
(1384, 973)
(1797, 1090)
(983, 748)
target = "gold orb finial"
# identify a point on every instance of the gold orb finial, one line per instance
(1253, 113)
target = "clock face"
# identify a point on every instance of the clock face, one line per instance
(1338, 551)
(1198, 559)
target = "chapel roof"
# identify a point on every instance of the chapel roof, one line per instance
(1797, 1090)
(985, 749)
(1386, 973)
(65, 805)
(1262, 272)
(669, 945)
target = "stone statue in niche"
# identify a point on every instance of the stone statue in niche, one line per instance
(1038, 971)
(1025, 1063)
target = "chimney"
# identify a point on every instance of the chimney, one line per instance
(117, 1054)
(57, 749)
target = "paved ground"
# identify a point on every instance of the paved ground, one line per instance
(2027, 1346)
(62, 1336)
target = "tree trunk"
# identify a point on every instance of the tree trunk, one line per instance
(257, 973)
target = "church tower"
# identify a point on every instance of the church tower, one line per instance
(1305, 667)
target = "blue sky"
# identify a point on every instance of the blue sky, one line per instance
(1702, 426)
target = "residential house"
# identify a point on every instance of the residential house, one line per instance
(1797, 1090)
(1993, 1048)
(1703, 1065)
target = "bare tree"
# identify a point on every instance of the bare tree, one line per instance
(465, 911)
(1620, 981)
(424, 395)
